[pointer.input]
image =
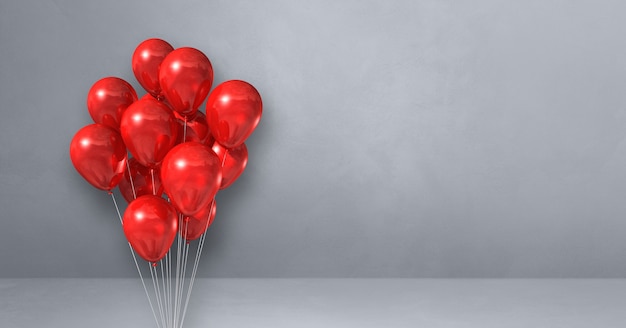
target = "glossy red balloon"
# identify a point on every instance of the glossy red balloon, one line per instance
(191, 174)
(146, 61)
(149, 130)
(234, 164)
(107, 100)
(99, 155)
(197, 128)
(186, 76)
(194, 226)
(150, 224)
(233, 111)
(141, 181)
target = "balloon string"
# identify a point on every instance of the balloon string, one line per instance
(185, 261)
(178, 267)
(117, 209)
(169, 274)
(156, 272)
(156, 288)
(153, 186)
(171, 269)
(136, 264)
(181, 279)
(166, 290)
(179, 296)
(132, 183)
(169, 284)
(164, 282)
(165, 305)
(193, 276)
(197, 261)
(173, 278)
(199, 253)
(224, 159)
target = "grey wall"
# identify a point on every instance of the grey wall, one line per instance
(399, 139)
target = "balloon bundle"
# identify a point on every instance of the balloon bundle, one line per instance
(181, 158)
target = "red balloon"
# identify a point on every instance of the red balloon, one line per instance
(194, 226)
(197, 128)
(146, 61)
(234, 164)
(141, 181)
(191, 174)
(149, 130)
(186, 76)
(233, 111)
(99, 155)
(108, 99)
(150, 224)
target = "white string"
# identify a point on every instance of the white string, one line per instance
(185, 261)
(136, 264)
(132, 183)
(196, 263)
(160, 294)
(171, 278)
(180, 261)
(164, 300)
(156, 288)
(169, 287)
(194, 271)
(199, 252)
(192, 279)
(163, 264)
(153, 186)
(168, 271)
(178, 271)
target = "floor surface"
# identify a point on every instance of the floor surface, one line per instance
(325, 303)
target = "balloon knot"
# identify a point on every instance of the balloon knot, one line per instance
(154, 264)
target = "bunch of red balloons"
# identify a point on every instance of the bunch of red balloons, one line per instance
(176, 149)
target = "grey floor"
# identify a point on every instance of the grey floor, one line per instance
(322, 303)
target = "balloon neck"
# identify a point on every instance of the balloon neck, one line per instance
(188, 242)
(109, 192)
(154, 264)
